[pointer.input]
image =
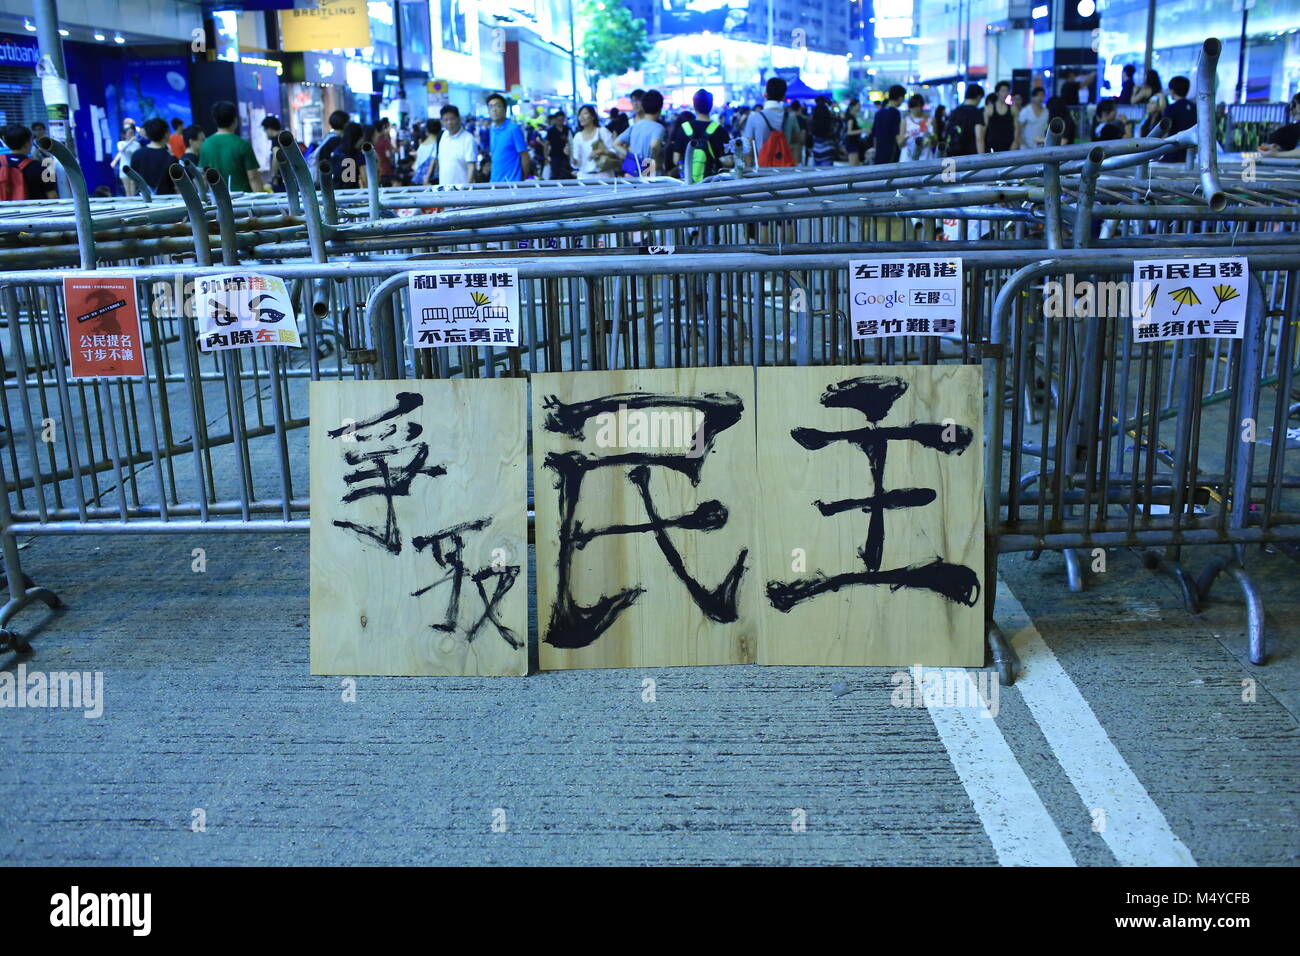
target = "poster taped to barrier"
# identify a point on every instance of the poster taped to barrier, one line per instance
(103, 323)
(891, 296)
(1189, 299)
(451, 307)
(240, 310)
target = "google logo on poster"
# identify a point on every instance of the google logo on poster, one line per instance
(888, 301)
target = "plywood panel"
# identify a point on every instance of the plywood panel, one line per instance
(439, 584)
(645, 495)
(858, 573)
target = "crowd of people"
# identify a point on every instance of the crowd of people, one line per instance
(645, 140)
(649, 140)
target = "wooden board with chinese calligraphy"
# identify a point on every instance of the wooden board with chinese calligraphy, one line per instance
(419, 527)
(645, 508)
(872, 525)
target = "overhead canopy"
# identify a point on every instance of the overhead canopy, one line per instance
(797, 89)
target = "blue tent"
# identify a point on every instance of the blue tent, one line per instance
(797, 89)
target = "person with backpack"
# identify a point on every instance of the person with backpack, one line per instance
(640, 143)
(21, 174)
(320, 153)
(707, 138)
(347, 161)
(773, 130)
(965, 128)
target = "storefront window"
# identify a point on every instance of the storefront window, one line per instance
(1181, 26)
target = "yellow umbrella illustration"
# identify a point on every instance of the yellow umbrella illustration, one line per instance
(1223, 293)
(1184, 296)
(1150, 302)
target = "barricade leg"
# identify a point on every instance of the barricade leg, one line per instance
(1154, 561)
(1254, 602)
(21, 591)
(1001, 654)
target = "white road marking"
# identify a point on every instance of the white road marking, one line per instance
(1012, 813)
(1133, 826)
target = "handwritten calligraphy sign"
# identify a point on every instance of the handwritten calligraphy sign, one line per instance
(872, 529)
(645, 498)
(419, 529)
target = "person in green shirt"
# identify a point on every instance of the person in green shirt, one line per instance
(230, 154)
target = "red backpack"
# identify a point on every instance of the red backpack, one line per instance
(12, 184)
(776, 148)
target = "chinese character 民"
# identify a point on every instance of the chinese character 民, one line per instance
(573, 625)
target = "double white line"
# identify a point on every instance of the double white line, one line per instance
(1014, 817)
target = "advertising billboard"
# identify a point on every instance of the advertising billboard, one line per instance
(453, 28)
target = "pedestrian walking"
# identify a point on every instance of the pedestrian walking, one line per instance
(964, 133)
(229, 153)
(887, 127)
(1181, 113)
(772, 130)
(507, 147)
(194, 135)
(347, 161)
(176, 142)
(1034, 119)
(426, 154)
(592, 149)
(458, 150)
(706, 138)
(822, 128)
(384, 151)
(915, 139)
(1001, 131)
(558, 147)
(126, 146)
(855, 134)
(641, 144)
(153, 161)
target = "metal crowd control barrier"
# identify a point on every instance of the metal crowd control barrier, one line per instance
(756, 274)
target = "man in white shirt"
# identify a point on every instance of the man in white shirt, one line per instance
(457, 150)
(1033, 121)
